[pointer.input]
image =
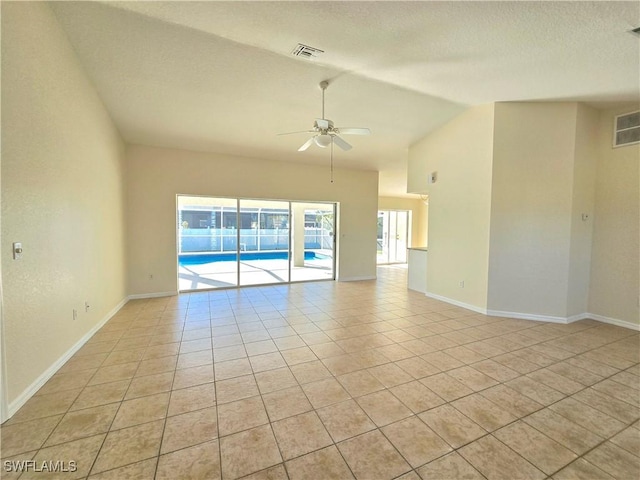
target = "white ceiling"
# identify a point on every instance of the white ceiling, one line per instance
(220, 77)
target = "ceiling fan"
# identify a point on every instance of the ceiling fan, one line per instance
(325, 134)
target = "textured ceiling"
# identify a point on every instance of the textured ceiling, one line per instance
(219, 76)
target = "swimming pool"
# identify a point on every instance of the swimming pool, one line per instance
(199, 259)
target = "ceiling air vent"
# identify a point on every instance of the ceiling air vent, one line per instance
(626, 129)
(306, 51)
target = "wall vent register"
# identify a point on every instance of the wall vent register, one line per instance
(626, 129)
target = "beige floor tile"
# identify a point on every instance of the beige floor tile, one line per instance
(223, 341)
(82, 452)
(231, 352)
(342, 364)
(286, 403)
(195, 345)
(113, 373)
(192, 398)
(162, 350)
(417, 367)
(83, 423)
(189, 429)
(141, 410)
(535, 390)
(416, 396)
(543, 452)
(390, 375)
(326, 350)
(618, 391)
(446, 386)
(232, 368)
(442, 361)
(272, 473)
(195, 359)
(614, 460)
(455, 428)
(267, 361)
(484, 412)
(629, 440)
(149, 385)
(248, 452)
(360, 383)
(495, 370)
(326, 464)
(511, 401)
(563, 431)
(310, 372)
(129, 445)
(383, 408)
(41, 406)
(144, 470)
(259, 348)
(273, 380)
(345, 420)
(611, 406)
(157, 365)
(124, 356)
(84, 362)
(472, 378)
(581, 470)
(193, 463)
(295, 356)
(451, 466)
(496, 461)
(241, 415)
(236, 389)
(300, 435)
(464, 355)
(417, 443)
(587, 417)
(371, 455)
(189, 377)
(325, 392)
(101, 394)
(575, 373)
(395, 352)
(515, 362)
(67, 381)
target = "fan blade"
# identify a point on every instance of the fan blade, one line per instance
(322, 123)
(353, 131)
(301, 131)
(341, 143)
(306, 145)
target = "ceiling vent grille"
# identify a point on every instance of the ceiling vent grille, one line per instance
(306, 51)
(626, 129)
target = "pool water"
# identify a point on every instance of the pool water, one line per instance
(199, 259)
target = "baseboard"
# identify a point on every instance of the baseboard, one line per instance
(457, 303)
(139, 296)
(613, 321)
(15, 405)
(356, 279)
(529, 316)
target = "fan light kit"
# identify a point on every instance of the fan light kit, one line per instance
(325, 134)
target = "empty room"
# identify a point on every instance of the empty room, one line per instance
(320, 240)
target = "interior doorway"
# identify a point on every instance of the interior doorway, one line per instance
(231, 242)
(393, 236)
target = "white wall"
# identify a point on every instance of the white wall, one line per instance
(156, 175)
(531, 207)
(62, 197)
(615, 262)
(459, 204)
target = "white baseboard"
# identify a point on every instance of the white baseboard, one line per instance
(15, 405)
(538, 318)
(139, 296)
(614, 321)
(457, 303)
(356, 279)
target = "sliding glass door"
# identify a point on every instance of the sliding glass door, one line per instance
(225, 242)
(393, 234)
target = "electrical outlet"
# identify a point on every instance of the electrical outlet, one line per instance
(75, 314)
(86, 306)
(461, 283)
(151, 276)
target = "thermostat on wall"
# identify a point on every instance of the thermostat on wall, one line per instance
(433, 177)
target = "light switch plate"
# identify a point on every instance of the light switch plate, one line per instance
(17, 250)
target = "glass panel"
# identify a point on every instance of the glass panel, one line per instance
(312, 241)
(264, 242)
(402, 227)
(393, 237)
(383, 237)
(207, 243)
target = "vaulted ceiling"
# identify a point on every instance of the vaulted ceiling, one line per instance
(220, 76)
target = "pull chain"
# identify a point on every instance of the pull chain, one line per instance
(331, 159)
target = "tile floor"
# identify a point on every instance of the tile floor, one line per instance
(334, 380)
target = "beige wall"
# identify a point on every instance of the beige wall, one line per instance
(62, 197)
(615, 261)
(156, 175)
(531, 205)
(419, 216)
(459, 204)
